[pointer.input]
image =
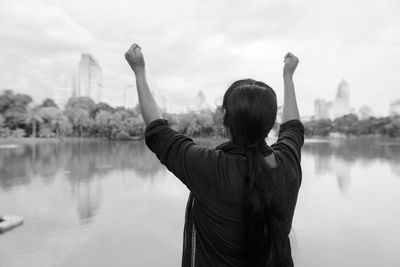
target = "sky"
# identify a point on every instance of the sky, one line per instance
(206, 45)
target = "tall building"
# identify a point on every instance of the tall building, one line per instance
(336, 108)
(62, 92)
(322, 109)
(200, 101)
(88, 82)
(365, 112)
(341, 105)
(395, 108)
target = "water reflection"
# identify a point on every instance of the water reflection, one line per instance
(88, 196)
(81, 162)
(102, 203)
(337, 156)
(84, 162)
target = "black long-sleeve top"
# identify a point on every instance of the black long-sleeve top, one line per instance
(214, 233)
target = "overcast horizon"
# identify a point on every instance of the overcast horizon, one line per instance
(206, 45)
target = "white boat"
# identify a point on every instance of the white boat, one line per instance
(7, 222)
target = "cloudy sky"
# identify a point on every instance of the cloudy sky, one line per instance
(193, 45)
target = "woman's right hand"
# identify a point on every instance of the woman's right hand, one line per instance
(291, 62)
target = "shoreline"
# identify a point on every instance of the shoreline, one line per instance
(41, 140)
(202, 140)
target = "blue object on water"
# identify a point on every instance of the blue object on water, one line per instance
(8, 222)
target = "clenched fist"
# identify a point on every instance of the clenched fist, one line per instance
(291, 62)
(135, 59)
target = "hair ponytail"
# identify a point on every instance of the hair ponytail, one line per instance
(264, 213)
(250, 112)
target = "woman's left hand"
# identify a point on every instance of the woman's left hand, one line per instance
(135, 59)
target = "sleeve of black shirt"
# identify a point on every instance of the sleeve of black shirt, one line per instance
(289, 143)
(194, 165)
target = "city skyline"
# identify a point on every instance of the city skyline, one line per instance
(323, 109)
(81, 86)
(205, 46)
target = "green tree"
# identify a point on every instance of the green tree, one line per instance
(1, 121)
(54, 121)
(101, 107)
(392, 129)
(13, 108)
(33, 117)
(116, 124)
(102, 123)
(82, 102)
(79, 111)
(218, 122)
(80, 119)
(134, 126)
(48, 102)
(6, 100)
(346, 125)
(196, 124)
(321, 127)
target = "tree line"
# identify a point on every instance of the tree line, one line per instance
(351, 125)
(82, 117)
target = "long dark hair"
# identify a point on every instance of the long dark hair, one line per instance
(250, 111)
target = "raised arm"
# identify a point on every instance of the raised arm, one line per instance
(290, 110)
(148, 105)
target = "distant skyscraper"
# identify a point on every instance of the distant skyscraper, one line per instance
(395, 108)
(62, 92)
(201, 102)
(365, 112)
(88, 82)
(322, 109)
(75, 86)
(339, 107)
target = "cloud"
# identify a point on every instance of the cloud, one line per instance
(40, 44)
(33, 27)
(205, 45)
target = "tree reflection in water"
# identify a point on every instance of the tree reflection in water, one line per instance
(81, 162)
(334, 156)
(94, 202)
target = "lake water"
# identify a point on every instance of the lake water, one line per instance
(104, 203)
